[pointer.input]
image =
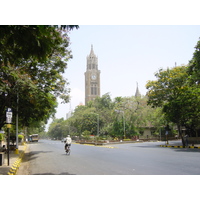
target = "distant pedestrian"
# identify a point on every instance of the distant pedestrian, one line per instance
(4, 149)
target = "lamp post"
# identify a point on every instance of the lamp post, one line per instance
(17, 110)
(166, 133)
(118, 111)
(17, 117)
(97, 123)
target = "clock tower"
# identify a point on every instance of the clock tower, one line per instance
(92, 77)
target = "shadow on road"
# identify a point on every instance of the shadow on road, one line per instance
(32, 155)
(173, 148)
(187, 150)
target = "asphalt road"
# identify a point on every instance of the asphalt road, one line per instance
(48, 157)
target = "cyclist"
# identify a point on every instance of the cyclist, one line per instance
(68, 142)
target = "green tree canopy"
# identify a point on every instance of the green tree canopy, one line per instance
(194, 65)
(32, 61)
(178, 99)
(134, 113)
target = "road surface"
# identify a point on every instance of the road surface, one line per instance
(47, 157)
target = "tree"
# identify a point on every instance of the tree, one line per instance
(37, 128)
(133, 112)
(19, 43)
(55, 129)
(137, 114)
(194, 66)
(31, 70)
(179, 100)
(85, 119)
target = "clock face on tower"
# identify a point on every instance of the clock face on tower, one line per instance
(93, 77)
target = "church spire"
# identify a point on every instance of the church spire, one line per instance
(92, 51)
(92, 60)
(137, 93)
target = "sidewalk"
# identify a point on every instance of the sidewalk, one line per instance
(14, 161)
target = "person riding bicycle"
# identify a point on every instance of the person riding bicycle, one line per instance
(68, 141)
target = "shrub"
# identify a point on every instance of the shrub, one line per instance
(20, 138)
(1, 137)
(86, 135)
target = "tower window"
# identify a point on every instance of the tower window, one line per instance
(93, 90)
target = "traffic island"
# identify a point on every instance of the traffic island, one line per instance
(106, 142)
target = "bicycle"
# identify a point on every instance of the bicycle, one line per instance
(67, 150)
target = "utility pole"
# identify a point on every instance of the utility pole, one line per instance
(17, 149)
(97, 125)
(8, 122)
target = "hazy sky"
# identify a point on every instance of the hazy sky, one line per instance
(126, 54)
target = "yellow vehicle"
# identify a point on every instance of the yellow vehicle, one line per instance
(33, 138)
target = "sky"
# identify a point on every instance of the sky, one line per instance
(127, 55)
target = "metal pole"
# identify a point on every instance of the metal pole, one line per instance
(124, 126)
(97, 125)
(8, 144)
(17, 151)
(160, 134)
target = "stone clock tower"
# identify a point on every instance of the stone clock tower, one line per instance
(92, 78)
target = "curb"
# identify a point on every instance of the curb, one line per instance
(15, 166)
(191, 147)
(110, 147)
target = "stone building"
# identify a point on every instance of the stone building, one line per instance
(92, 77)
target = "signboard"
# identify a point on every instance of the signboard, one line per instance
(9, 116)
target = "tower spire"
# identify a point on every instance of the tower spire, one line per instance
(137, 93)
(92, 51)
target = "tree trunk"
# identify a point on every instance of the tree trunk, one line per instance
(180, 133)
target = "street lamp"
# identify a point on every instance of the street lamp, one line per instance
(118, 111)
(17, 110)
